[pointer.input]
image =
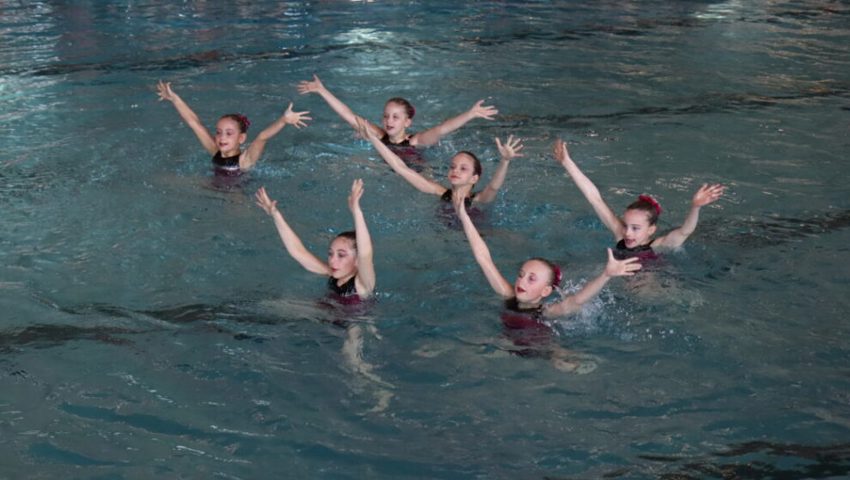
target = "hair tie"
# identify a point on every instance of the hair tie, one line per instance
(244, 120)
(651, 201)
(556, 275)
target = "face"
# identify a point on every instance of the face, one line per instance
(342, 258)
(396, 120)
(534, 282)
(638, 230)
(462, 171)
(228, 137)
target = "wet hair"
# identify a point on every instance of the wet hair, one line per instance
(647, 204)
(240, 119)
(554, 270)
(476, 164)
(408, 107)
(349, 235)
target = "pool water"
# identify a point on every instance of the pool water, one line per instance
(154, 325)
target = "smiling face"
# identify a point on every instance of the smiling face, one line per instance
(638, 230)
(229, 137)
(396, 120)
(342, 258)
(533, 282)
(462, 171)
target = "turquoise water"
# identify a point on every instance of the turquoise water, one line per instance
(154, 326)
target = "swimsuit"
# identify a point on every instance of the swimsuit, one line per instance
(410, 155)
(345, 294)
(526, 328)
(642, 252)
(226, 166)
(447, 197)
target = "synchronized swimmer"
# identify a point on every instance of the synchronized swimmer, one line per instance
(231, 131)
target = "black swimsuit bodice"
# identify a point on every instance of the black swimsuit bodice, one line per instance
(227, 166)
(642, 252)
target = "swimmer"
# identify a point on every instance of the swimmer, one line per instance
(526, 312)
(230, 133)
(633, 233)
(350, 270)
(464, 172)
(398, 117)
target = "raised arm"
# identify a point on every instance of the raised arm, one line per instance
(365, 279)
(190, 117)
(481, 252)
(591, 193)
(252, 155)
(316, 86)
(508, 152)
(413, 177)
(573, 303)
(291, 241)
(434, 134)
(705, 195)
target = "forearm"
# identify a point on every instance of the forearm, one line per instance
(690, 223)
(590, 290)
(295, 247)
(272, 130)
(365, 263)
(489, 193)
(434, 134)
(482, 256)
(340, 108)
(412, 177)
(194, 122)
(364, 239)
(594, 197)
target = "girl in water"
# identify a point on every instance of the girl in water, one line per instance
(398, 117)
(525, 316)
(464, 172)
(350, 271)
(349, 268)
(633, 233)
(230, 133)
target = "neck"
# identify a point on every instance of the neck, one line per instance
(463, 190)
(529, 305)
(398, 138)
(342, 281)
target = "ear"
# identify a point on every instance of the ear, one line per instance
(408, 122)
(242, 138)
(475, 178)
(652, 229)
(547, 291)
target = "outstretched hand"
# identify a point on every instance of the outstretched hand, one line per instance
(163, 89)
(708, 194)
(354, 196)
(483, 111)
(295, 119)
(511, 148)
(308, 86)
(621, 268)
(562, 155)
(263, 201)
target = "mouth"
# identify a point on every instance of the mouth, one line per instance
(520, 290)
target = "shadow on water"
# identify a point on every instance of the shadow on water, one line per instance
(758, 460)
(201, 317)
(778, 230)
